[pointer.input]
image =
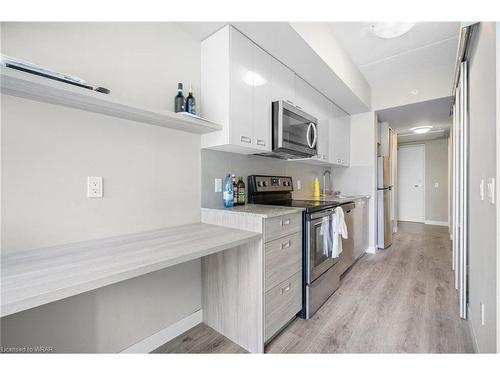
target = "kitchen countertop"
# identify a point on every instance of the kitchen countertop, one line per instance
(261, 210)
(32, 278)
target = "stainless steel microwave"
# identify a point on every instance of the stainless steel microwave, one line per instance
(294, 132)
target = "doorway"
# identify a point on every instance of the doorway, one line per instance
(411, 183)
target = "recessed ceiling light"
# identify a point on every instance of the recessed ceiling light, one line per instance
(421, 129)
(389, 30)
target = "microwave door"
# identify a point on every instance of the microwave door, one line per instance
(296, 132)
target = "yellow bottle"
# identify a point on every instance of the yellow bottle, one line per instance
(316, 193)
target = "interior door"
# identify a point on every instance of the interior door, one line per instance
(411, 168)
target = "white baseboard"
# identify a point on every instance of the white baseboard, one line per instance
(371, 250)
(433, 222)
(165, 335)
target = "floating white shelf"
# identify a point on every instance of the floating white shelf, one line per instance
(30, 86)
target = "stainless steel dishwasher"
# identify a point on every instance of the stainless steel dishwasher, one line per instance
(347, 255)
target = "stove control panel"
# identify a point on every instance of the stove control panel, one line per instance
(263, 184)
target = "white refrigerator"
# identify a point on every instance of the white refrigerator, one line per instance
(384, 191)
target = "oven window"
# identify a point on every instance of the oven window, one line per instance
(322, 244)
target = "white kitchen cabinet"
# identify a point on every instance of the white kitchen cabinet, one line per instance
(305, 96)
(282, 82)
(340, 137)
(235, 91)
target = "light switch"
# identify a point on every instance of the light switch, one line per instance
(299, 185)
(481, 189)
(436, 184)
(218, 185)
(94, 187)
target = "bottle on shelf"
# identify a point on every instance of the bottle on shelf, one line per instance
(228, 191)
(191, 102)
(235, 190)
(180, 101)
(241, 191)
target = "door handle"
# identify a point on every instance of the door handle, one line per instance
(285, 222)
(286, 288)
(287, 244)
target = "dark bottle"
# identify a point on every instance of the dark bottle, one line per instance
(241, 191)
(235, 190)
(180, 101)
(191, 102)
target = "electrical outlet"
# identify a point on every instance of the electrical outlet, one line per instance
(218, 185)
(299, 185)
(491, 190)
(94, 187)
(436, 184)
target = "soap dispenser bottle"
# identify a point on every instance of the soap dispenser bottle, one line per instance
(316, 193)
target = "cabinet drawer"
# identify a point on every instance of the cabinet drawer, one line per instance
(283, 258)
(282, 303)
(282, 226)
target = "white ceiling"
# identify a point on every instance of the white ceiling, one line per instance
(201, 30)
(427, 47)
(433, 112)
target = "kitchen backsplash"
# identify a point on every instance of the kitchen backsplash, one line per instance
(215, 164)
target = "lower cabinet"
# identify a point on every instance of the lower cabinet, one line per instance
(282, 272)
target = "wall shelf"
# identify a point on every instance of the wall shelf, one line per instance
(32, 87)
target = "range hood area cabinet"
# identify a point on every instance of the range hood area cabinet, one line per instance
(236, 91)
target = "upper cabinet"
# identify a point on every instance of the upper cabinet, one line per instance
(239, 82)
(236, 92)
(340, 137)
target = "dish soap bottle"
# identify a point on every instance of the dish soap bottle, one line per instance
(316, 193)
(228, 191)
(235, 190)
(241, 191)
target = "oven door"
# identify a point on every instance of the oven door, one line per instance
(294, 131)
(319, 260)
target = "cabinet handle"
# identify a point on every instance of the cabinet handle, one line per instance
(338, 161)
(286, 288)
(260, 142)
(287, 244)
(290, 102)
(245, 139)
(285, 222)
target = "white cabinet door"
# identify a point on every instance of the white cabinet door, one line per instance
(323, 115)
(282, 82)
(305, 96)
(241, 90)
(262, 72)
(340, 131)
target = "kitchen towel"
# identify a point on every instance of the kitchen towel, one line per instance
(339, 231)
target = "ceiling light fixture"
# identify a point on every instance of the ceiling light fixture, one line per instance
(389, 30)
(421, 129)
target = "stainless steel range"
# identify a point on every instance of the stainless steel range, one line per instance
(321, 272)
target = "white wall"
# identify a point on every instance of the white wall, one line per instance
(321, 39)
(483, 162)
(151, 176)
(360, 177)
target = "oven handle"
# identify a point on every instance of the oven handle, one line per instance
(321, 214)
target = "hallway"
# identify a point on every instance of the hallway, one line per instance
(401, 300)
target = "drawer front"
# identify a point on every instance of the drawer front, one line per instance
(283, 258)
(282, 226)
(282, 303)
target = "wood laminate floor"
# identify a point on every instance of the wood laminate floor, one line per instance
(400, 300)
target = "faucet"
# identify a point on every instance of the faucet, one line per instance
(324, 181)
